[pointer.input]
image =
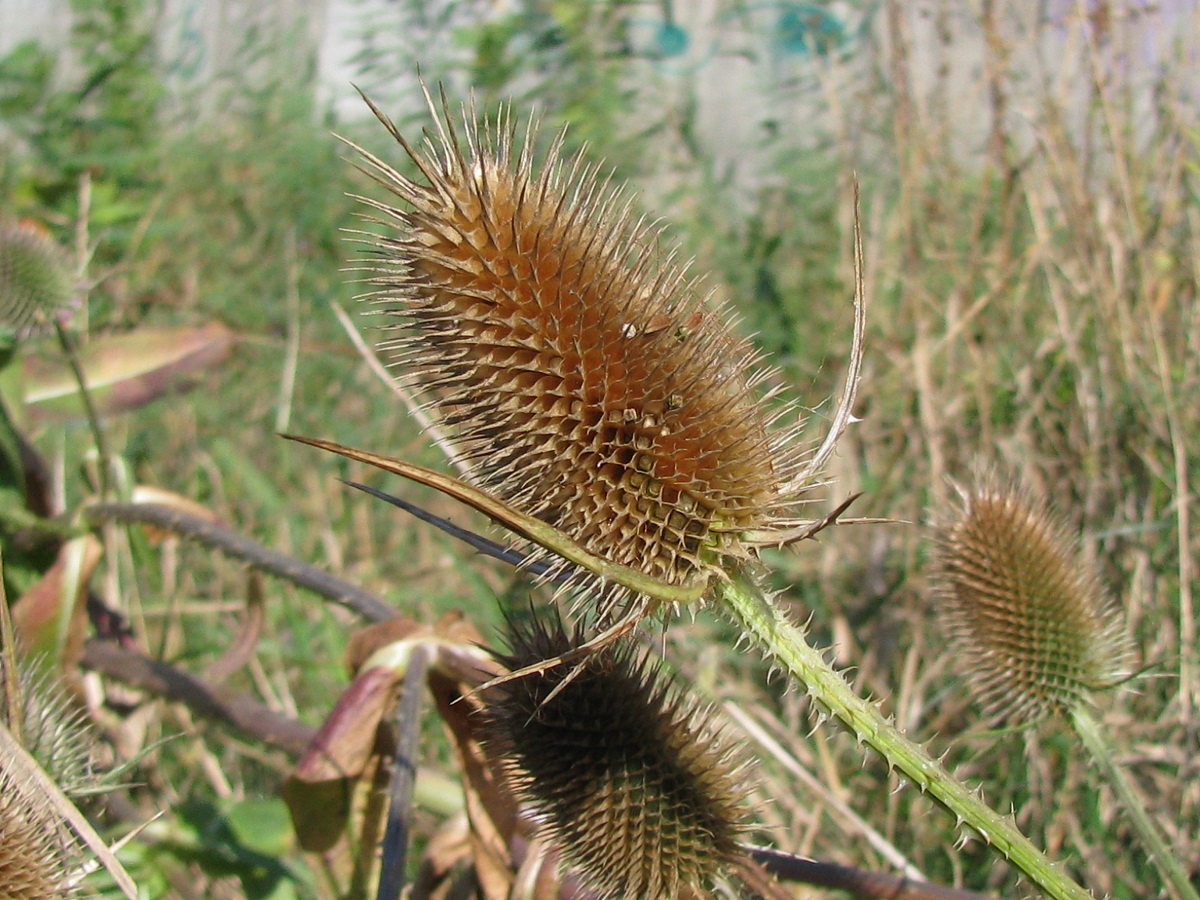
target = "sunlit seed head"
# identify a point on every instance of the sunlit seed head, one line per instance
(1032, 626)
(37, 853)
(633, 782)
(584, 374)
(35, 281)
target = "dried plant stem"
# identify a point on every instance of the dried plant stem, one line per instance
(393, 873)
(776, 635)
(233, 544)
(1098, 746)
(104, 470)
(291, 355)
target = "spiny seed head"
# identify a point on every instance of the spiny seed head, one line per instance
(633, 782)
(586, 378)
(35, 283)
(53, 730)
(37, 852)
(1034, 630)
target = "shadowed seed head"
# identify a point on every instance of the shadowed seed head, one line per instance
(1034, 630)
(584, 375)
(35, 283)
(630, 780)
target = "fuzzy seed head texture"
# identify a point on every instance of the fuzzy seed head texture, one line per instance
(37, 852)
(632, 781)
(53, 729)
(1033, 629)
(35, 281)
(585, 377)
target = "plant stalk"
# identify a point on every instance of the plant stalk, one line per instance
(781, 639)
(1089, 732)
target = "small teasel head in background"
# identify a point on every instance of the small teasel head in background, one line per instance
(631, 781)
(1030, 623)
(36, 283)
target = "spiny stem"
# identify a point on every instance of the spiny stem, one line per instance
(784, 641)
(1089, 732)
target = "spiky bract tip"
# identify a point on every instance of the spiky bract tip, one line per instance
(633, 782)
(1034, 630)
(585, 376)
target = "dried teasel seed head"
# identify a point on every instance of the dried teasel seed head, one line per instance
(35, 280)
(633, 782)
(585, 377)
(1034, 630)
(37, 851)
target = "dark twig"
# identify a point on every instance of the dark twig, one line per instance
(393, 871)
(859, 882)
(475, 541)
(229, 708)
(233, 544)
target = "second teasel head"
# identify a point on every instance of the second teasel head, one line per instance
(36, 283)
(1031, 625)
(634, 783)
(582, 372)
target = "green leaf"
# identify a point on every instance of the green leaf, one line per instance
(263, 825)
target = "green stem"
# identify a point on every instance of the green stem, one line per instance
(783, 640)
(1089, 732)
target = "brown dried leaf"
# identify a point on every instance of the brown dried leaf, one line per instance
(490, 806)
(124, 371)
(320, 790)
(51, 617)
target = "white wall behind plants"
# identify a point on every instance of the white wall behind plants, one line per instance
(737, 67)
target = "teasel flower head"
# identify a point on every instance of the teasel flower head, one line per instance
(585, 377)
(39, 853)
(35, 279)
(52, 729)
(1033, 629)
(633, 783)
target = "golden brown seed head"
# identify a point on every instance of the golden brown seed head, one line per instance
(36, 850)
(1034, 630)
(582, 373)
(630, 780)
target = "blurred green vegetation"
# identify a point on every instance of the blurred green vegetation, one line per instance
(1033, 306)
